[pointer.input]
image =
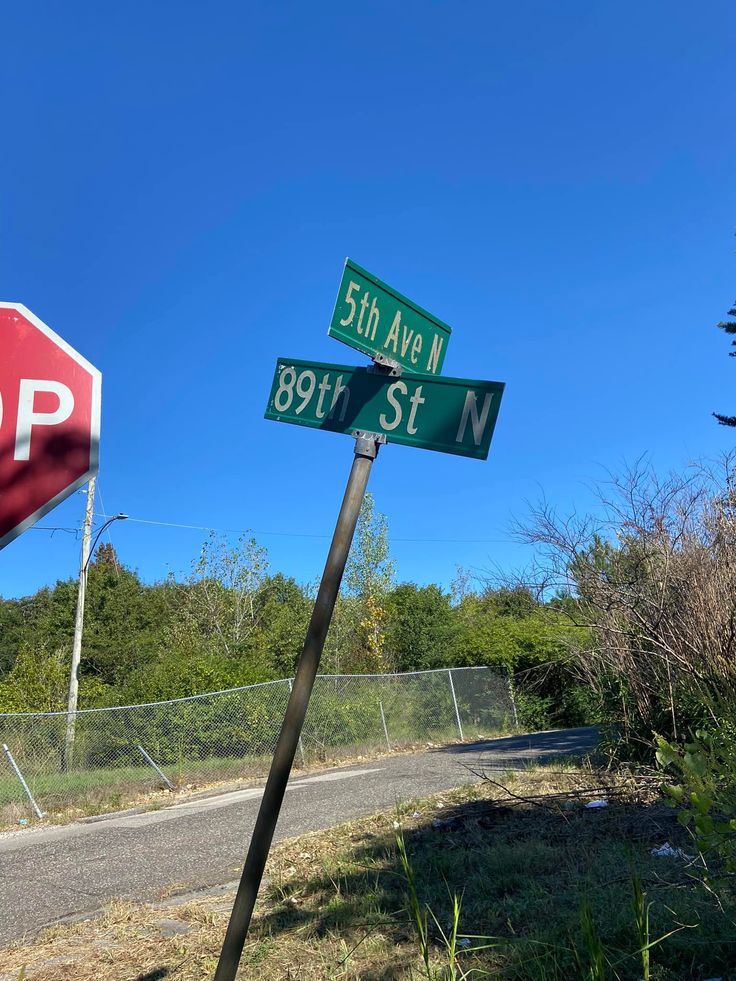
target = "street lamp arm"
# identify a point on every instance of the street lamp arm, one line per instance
(115, 517)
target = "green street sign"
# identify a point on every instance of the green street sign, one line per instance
(373, 318)
(451, 415)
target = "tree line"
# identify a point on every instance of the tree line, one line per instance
(233, 621)
(631, 617)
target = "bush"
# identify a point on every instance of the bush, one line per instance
(653, 576)
(705, 789)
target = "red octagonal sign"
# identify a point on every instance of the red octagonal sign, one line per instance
(49, 420)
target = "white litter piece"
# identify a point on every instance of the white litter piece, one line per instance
(667, 851)
(596, 803)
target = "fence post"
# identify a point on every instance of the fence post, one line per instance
(152, 763)
(301, 746)
(19, 775)
(454, 700)
(385, 730)
(512, 693)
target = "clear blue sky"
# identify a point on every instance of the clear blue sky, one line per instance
(180, 184)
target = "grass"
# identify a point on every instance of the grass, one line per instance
(475, 882)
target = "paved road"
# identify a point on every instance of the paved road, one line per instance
(51, 874)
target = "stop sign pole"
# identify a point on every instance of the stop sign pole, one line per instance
(366, 450)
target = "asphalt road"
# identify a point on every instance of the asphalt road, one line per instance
(49, 874)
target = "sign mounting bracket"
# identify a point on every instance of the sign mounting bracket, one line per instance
(385, 366)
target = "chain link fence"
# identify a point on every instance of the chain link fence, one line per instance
(125, 753)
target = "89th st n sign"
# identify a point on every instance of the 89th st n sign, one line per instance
(49, 420)
(451, 415)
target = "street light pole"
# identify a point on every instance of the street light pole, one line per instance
(86, 554)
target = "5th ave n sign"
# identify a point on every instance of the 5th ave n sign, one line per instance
(49, 420)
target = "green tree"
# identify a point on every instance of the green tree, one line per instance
(517, 602)
(729, 326)
(180, 670)
(343, 646)
(283, 615)
(533, 641)
(11, 632)
(37, 682)
(368, 578)
(421, 628)
(219, 605)
(125, 621)
(49, 616)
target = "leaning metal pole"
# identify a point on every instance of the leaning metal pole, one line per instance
(16, 770)
(366, 449)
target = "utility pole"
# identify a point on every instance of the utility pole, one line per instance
(71, 709)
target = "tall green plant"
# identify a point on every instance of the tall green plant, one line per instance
(704, 790)
(419, 914)
(593, 966)
(641, 920)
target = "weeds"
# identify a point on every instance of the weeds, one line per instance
(417, 911)
(641, 919)
(594, 969)
(608, 942)
(419, 914)
(471, 887)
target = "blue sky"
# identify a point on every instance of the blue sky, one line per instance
(180, 184)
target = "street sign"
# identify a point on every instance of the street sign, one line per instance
(451, 415)
(373, 318)
(49, 420)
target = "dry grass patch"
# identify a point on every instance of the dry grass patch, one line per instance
(524, 853)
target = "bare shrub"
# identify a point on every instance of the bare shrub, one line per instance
(653, 576)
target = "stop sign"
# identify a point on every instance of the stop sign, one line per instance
(49, 420)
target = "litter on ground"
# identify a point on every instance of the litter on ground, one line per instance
(667, 851)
